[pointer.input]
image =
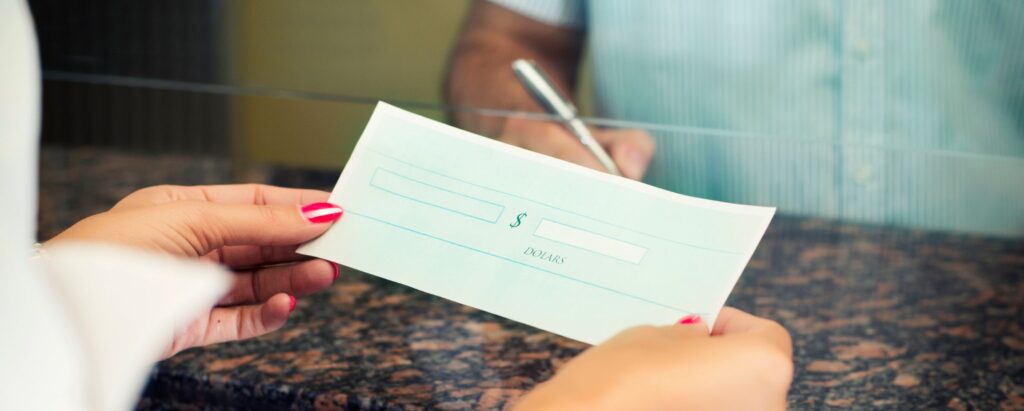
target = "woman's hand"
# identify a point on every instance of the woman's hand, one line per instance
(254, 230)
(744, 364)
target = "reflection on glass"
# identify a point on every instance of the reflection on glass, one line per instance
(908, 113)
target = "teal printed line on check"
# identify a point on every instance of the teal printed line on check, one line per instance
(557, 274)
(435, 196)
(682, 243)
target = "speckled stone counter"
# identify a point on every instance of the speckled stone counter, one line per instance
(881, 318)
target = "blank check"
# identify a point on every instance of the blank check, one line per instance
(535, 239)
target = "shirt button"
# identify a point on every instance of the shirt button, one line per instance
(862, 48)
(864, 174)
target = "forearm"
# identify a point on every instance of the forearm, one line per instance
(481, 75)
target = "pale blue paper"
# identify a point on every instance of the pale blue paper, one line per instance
(432, 207)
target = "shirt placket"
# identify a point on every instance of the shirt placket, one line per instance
(862, 166)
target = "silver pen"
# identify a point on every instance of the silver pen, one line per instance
(542, 90)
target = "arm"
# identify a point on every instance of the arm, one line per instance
(481, 76)
(251, 229)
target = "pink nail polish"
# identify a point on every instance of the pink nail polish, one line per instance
(322, 212)
(690, 319)
(337, 271)
(291, 303)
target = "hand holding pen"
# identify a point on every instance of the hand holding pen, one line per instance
(620, 152)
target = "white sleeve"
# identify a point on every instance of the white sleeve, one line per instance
(87, 322)
(563, 13)
(125, 305)
(82, 326)
(40, 366)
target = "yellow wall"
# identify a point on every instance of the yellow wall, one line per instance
(388, 49)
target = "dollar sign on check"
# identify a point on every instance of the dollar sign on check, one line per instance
(519, 220)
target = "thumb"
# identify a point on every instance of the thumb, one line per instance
(210, 226)
(630, 149)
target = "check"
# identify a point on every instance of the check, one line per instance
(532, 238)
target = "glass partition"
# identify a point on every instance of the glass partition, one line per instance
(839, 111)
(889, 135)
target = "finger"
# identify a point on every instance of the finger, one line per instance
(209, 226)
(299, 279)
(733, 322)
(639, 138)
(630, 149)
(561, 144)
(245, 256)
(257, 194)
(238, 323)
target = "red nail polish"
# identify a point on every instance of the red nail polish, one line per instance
(291, 303)
(337, 271)
(322, 212)
(690, 319)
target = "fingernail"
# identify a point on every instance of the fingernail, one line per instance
(291, 303)
(690, 319)
(322, 212)
(337, 271)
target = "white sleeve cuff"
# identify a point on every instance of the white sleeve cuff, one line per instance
(562, 13)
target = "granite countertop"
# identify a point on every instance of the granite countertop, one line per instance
(880, 318)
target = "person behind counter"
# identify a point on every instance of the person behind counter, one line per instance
(860, 111)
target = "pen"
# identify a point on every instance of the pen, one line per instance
(542, 90)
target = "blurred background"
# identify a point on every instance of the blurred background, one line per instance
(890, 135)
(267, 82)
(261, 90)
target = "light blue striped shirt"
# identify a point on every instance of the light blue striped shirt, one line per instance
(903, 112)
